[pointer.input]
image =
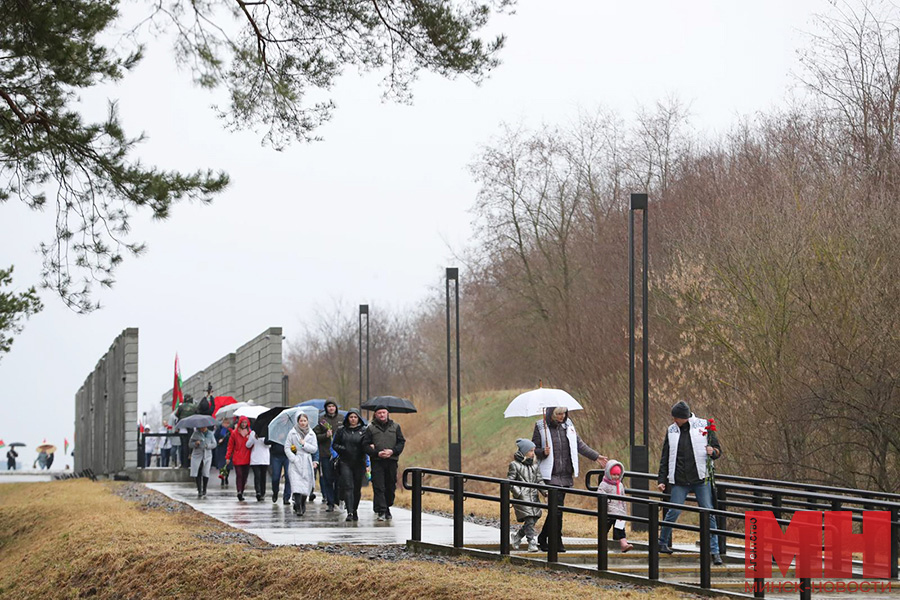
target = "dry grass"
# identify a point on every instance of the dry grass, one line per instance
(76, 539)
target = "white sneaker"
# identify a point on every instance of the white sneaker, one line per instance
(516, 541)
(532, 546)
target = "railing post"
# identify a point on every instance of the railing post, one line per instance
(705, 549)
(805, 588)
(552, 525)
(759, 587)
(721, 520)
(143, 450)
(458, 511)
(776, 504)
(895, 540)
(504, 518)
(602, 526)
(653, 540)
(417, 506)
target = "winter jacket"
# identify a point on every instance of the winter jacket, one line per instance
(560, 467)
(259, 452)
(613, 488)
(525, 470)
(381, 436)
(206, 406)
(326, 423)
(300, 470)
(185, 410)
(203, 453)
(150, 442)
(683, 459)
(348, 441)
(238, 452)
(222, 435)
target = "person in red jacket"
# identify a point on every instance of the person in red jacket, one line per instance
(239, 454)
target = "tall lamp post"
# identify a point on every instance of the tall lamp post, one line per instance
(363, 310)
(640, 458)
(454, 449)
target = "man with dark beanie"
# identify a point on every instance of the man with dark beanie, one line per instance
(328, 425)
(688, 447)
(383, 442)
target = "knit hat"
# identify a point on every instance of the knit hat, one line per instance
(681, 410)
(616, 469)
(525, 446)
(381, 407)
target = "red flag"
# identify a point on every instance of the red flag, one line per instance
(177, 394)
(65, 445)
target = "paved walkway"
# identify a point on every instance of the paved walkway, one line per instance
(277, 524)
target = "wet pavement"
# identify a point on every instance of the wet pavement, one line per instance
(277, 524)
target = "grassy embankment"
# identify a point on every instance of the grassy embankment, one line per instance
(76, 539)
(488, 445)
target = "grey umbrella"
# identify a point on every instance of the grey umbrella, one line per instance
(392, 403)
(196, 421)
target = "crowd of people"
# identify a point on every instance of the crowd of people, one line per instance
(342, 449)
(551, 457)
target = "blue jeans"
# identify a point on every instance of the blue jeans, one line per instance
(704, 498)
(279, 463)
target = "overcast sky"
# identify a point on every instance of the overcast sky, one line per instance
(371, 213)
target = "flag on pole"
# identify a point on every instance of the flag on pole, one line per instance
(65, 445)
(177, 394)
(2, 443)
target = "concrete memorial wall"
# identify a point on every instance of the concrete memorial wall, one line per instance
(252, 372)
(106, 408)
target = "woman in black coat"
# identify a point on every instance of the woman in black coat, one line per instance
(352, 468)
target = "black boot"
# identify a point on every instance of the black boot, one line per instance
(297, 503)
(302, 505)
(205, 483)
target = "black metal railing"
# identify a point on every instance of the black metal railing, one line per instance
(654, 501)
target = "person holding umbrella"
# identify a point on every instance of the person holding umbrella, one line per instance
(239, 455)
(383, 441)
(299, 448)
(11, 457)
(201, 444)
(557, 446)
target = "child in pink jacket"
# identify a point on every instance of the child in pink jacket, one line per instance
(612, 486)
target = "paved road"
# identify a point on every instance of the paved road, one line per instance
(277, 524)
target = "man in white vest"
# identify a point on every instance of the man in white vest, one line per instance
(687, 449)
(557, 446)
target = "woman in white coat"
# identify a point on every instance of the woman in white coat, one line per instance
(201, 444)
(299, 448)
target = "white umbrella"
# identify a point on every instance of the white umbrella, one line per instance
(535, 402)
(250, 411)
(227, 412)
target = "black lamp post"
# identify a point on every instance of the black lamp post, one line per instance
(640, 459)
(363, 310)
(454, 449)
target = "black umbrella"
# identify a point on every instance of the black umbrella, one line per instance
(196, 421)
(14, 444)
(261, 426)
(392, 403)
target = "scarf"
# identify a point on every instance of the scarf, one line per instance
(615, 483)
(301, 430)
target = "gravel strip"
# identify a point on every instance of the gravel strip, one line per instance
(146, 498)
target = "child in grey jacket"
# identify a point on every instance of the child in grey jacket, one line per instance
(612, 487)
(523, 469)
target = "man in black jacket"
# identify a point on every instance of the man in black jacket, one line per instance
(688, 450)
(383, 441)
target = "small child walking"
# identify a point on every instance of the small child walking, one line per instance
(612, 486)
(523, 469)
